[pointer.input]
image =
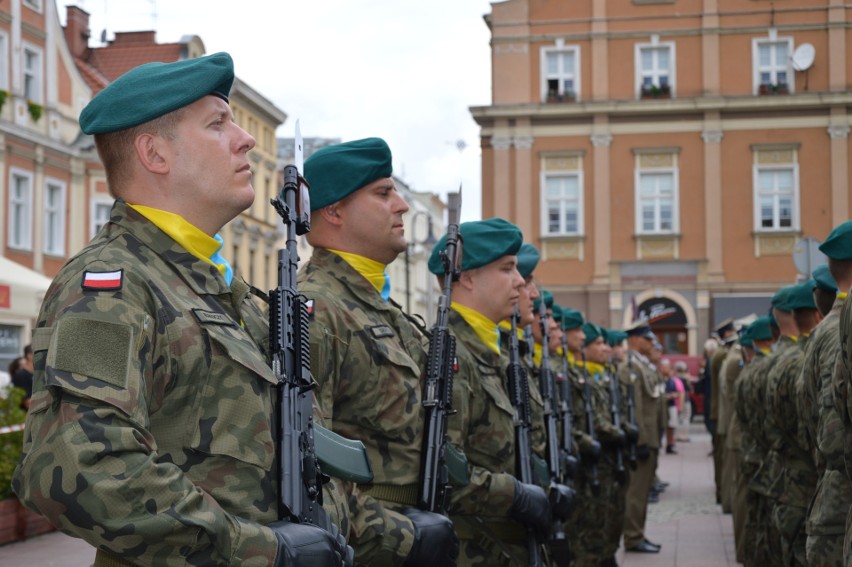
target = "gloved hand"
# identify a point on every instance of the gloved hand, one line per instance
(435, 541)
(306, 545)
(632, 432)
(561, 500)
(643, 452)
(570, 465)
(619, 440)
(530, 506)
(591, 451)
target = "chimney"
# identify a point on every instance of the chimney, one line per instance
(134, 38)
(77, 30)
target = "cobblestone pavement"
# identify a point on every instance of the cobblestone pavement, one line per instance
(687, 522)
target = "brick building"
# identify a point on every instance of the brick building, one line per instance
(667, 155)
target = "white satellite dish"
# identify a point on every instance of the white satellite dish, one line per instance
(803, 57)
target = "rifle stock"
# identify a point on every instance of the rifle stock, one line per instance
(631, 410)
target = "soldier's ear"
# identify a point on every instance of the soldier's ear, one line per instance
(331, 214)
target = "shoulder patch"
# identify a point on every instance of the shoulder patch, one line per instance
(381, 331)
(103, 281)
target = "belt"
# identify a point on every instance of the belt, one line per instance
(104, 559)
(474, 527)
(405, 494)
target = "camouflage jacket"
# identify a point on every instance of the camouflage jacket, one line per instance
(367, 357)
(743, 407)
(842, 381)
(824, 427)
(730, 372)
(483, 426)
(149, 431)
(645, 397)
(715, 387)
(538, 433)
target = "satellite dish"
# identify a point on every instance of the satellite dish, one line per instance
(803, 57)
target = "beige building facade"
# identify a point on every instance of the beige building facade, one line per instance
(666, 156)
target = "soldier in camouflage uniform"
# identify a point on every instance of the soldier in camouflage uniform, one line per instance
(731, 369)
(367, 355)
(727, 334)
(149, 433)
(824, 426)
(798, 476)
(637, 370)
(492, 514)
(767, 480)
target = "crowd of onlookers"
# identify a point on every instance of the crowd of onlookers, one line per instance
(20, 375)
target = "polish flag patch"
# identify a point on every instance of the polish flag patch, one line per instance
(103, 280)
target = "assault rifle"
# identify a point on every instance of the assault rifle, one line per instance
(615, 412)
(434, 489)
(571, 462)
(595, 453)
(519, 394)
(631, 411)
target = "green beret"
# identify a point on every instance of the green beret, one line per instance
(154, 89)
(547, 297)
(781, 297)
(823, 279)
(556, 311)
(802, 296)
(528, 257)
(838, 244)
(772, 321)
(334, 172)
(746, 340)
(614, 337)
(592, 332)
(483, 242)
(759, 329)
(571, 319)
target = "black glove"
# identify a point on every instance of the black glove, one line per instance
(561, 500)
(643, 452)
(619, 441)
(306, 545)
(570, 465)
(435, 541)
(530, 506)
(592, 451)
(631, 431)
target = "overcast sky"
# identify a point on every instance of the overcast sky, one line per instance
(401, 70)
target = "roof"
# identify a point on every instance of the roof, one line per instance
(115, 60)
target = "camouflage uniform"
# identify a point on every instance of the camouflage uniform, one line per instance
(841, 384)
(767, 480)
(733, 450)
(366, 357)
(483, 427)
(798, 476)
(647, 404)
(149, 431)
(827, 516)
(619, 493)
(716, 362)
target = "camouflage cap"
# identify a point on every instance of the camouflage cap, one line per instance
(592, 332)
(528, 257)
(823, 279)
(483, 242)
(838, 244)
(571, 319)
(336, 171)
(151, 90)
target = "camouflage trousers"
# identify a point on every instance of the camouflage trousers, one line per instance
(484, 543)
(789, 522)
(824, 550)
(380, 533)
(619, 507)
(757, 521)
(592, 517)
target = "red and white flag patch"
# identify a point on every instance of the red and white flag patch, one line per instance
(103, 280)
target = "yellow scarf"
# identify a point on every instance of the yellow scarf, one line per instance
(595, 369)
(537, 354)
(841, 295)
(485, 328)
(373, 272)
(192, 238)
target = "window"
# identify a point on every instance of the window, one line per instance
(562, 196)
(32, 74)
(20, 210)
(656, 194)
(776, 189)
(101, 209)
(560, 70)
(54, 217)
(655, 69)
(773, 69)
(4, 62)
(33, 4)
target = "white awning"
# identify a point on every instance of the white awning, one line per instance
(21, 290)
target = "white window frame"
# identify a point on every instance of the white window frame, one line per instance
(674, 172)
(772, 39)
(37, 93)
(35, 5)
(54, 246)
(545, 213)
(655, 44)
(25, 205)
(560, 49)
(795, 220)
(4, 61)
(95, 205)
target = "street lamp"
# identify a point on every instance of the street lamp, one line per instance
(427, 242)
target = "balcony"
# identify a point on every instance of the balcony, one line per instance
(769, 89)
(554, 96)
(653, 91)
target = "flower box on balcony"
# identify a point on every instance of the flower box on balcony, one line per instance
(765, 89)
(654, 91)
(568, 96)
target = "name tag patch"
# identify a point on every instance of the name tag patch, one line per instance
(381, 331)
(213, 318)
(103, 281)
